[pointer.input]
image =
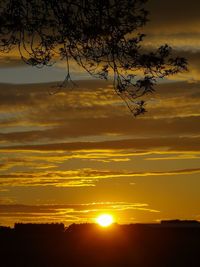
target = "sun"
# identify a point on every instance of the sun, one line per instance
(105, 220)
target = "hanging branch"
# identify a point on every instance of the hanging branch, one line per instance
(102, 36)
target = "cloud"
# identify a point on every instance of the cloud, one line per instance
(78, 178)
(6, 200)
(174, 16)
(176, 23)
(29, 113)
(82, 208)
(176, 157)
(140, 145)
(120, 126)
(67, 213)
(9, 163)
(11, 59)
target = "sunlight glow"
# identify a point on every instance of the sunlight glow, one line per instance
(105, 220)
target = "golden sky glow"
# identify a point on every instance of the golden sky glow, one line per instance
(80, 153)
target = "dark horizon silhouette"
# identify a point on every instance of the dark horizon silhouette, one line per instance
(170, 243)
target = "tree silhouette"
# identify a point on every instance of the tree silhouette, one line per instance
(102, 36)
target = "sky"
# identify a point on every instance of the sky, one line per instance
(70, 156)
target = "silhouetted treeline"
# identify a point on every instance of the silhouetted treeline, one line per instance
(169, 244)
(31, 228)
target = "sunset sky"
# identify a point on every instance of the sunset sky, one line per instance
(71, 156)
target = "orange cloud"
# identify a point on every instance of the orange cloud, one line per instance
(78, 178)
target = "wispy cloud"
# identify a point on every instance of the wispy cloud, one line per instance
(68, 213)
(103, 148)
(94, 111)
(78, 178)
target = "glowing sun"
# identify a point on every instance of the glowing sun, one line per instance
(105, 220)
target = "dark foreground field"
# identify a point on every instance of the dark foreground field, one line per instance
(165, 245)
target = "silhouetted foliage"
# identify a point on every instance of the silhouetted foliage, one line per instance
(102, 36)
